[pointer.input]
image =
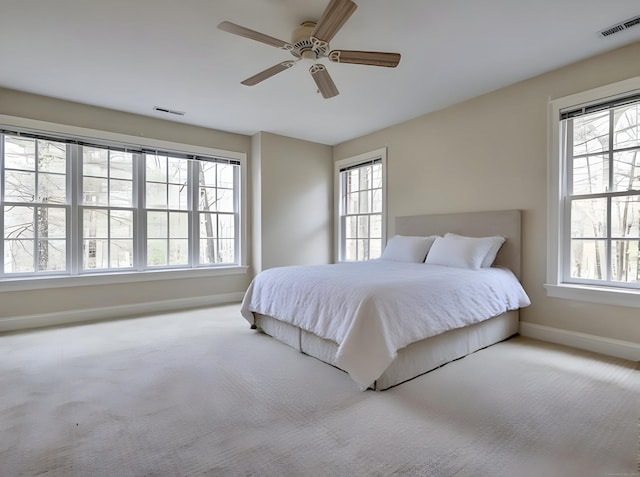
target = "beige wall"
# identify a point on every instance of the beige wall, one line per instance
(47, 301)
(292, 183)
(491, 153)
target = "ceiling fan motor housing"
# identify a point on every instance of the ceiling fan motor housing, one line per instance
(303, 45)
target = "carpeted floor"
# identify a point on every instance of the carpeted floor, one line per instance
(198, 393)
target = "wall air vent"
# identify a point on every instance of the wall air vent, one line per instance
(620, 27)
(169, 111)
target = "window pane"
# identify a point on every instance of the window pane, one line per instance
(52, 157)
(94, 223)
(207, 199)
(353, 180)
(590, 174)
(178, 251)
(19, 153)
(363, 249)
(207, 251)
(624, 260)
(626, 169)
(18, 222)
(95, 162)
(376, 204)
(591, 133)
(121, 193)
(52, 222)
(177, 197)
(589, 218)
(156, 252)
(377, 176)
(352, 203)
(19, 186)
(351, 227)
(95, 191)
(52, 255)
(225, 251)
(121, 165)
(365, 178)
(178, 225)
(588, 259)
(226, 226)
(121, 254)
(157, 225)
(626, 128)
(156, 195)
(207, 174)
(156, 168)
(625, 216)
(375, 248)
(226, 175)
(351, 249)
(363, 227)
(95, 254)
(18, 256)
(52, 188)
(208, 225)
(121, 224)
(224, 202)
(365, 201)
(177, 170)
(375, 231)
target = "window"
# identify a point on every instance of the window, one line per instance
(361, 206)
(595, 241)
(72, 207)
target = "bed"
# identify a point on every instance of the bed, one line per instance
(378, 335)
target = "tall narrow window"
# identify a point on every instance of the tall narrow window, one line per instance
(107, 209)
(361, 206)
(35, 205)
(603, 193)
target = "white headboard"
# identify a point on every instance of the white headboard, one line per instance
(473, 224)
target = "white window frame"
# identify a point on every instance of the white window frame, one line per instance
(354, 161)
(98, 137)
(556, 187)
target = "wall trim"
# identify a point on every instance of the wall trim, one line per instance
(109, 312)
(598, 344)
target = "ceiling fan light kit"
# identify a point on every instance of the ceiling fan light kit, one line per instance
(310, 41)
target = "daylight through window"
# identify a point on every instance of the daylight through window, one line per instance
(70, 207)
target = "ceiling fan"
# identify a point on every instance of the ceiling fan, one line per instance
(310, 41)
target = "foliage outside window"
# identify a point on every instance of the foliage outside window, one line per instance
(69, 208)
(361, 209)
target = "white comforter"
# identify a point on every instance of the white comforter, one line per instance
(372, 309)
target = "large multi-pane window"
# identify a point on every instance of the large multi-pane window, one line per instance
(70, 207)
(361, 207)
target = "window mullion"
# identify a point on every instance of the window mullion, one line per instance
(140, 214)
(75, 217)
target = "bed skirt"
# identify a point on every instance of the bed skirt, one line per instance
(413, 360)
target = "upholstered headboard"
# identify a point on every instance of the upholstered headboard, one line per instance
(473, 224)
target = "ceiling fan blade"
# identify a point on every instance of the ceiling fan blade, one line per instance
(268, 73)
(253, 35)
(373, 58)
(325, 84)
(333, 17)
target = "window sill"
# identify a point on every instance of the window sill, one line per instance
(591, 294)
(37, 283)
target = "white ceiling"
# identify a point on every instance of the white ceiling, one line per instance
(132, 55)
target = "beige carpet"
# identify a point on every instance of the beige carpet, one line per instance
(199, 393)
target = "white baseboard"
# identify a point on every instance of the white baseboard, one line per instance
(118, 311)
(608, 346)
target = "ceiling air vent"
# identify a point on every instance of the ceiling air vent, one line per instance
(169, 111)
(620, 27)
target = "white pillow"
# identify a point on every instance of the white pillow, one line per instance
(496, 242)
(455, 252)
(401, 248)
